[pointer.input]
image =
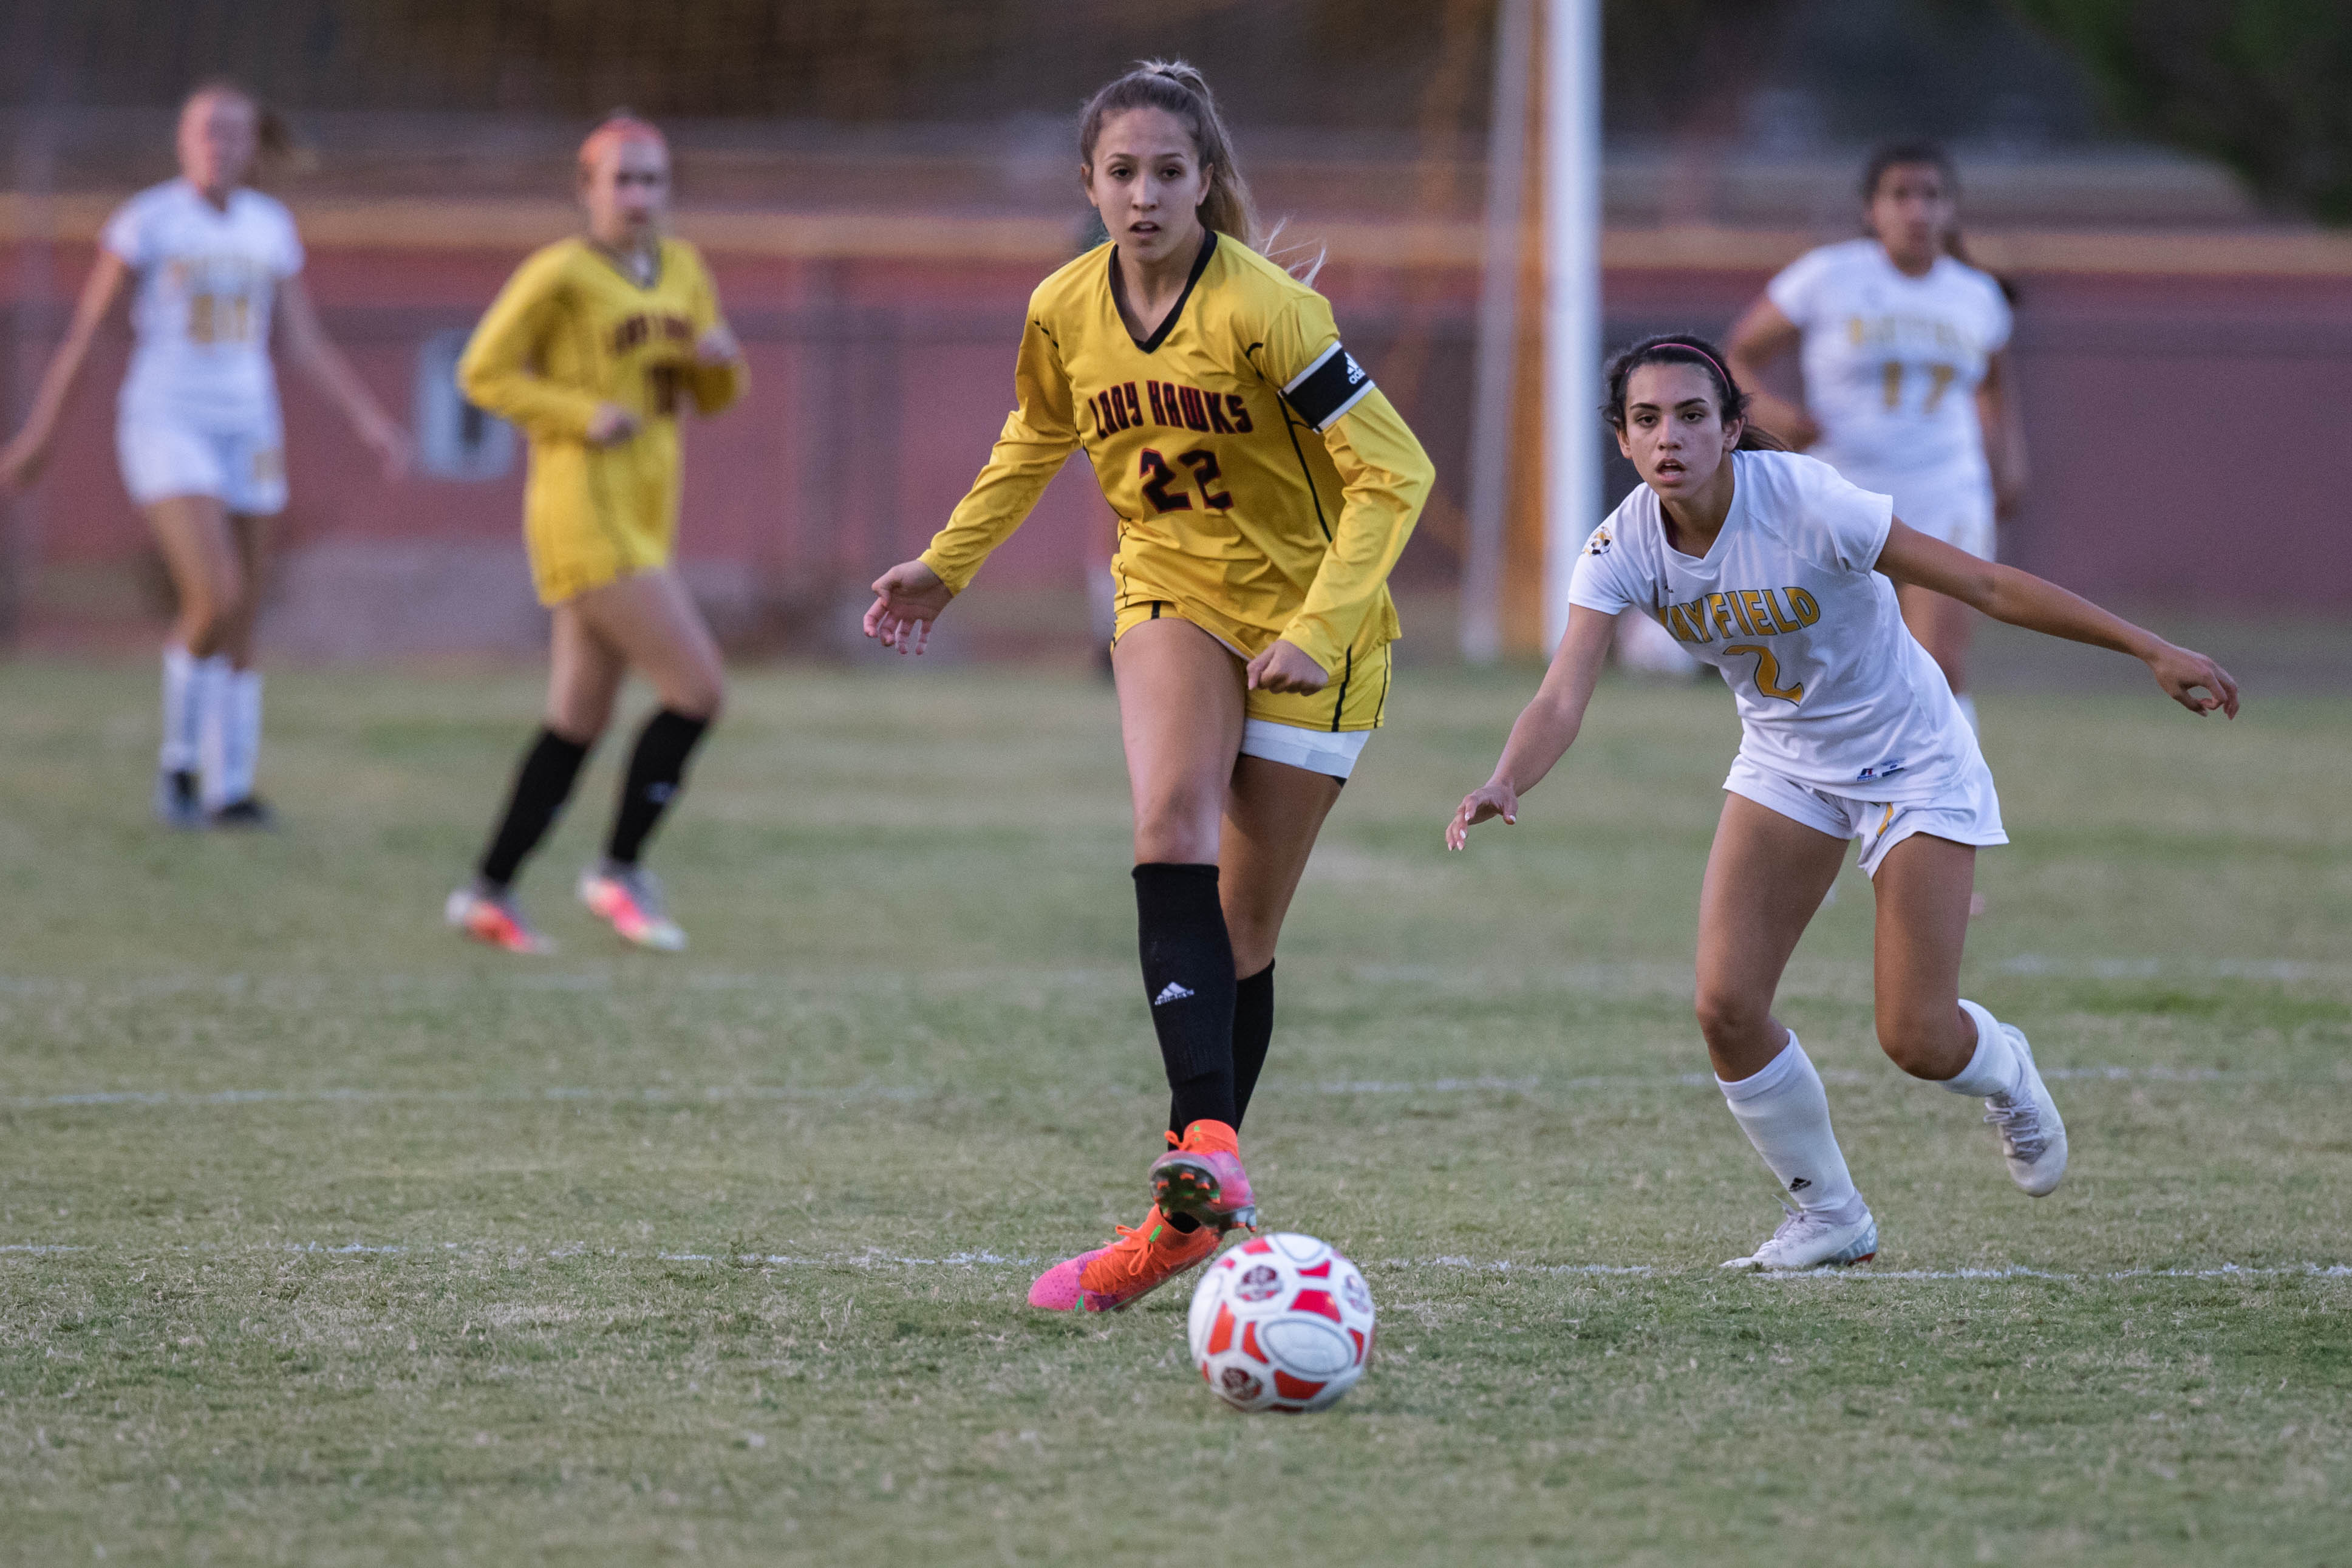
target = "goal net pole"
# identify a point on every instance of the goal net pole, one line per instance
(1571, 220)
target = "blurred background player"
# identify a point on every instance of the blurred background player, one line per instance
(1774, 568)
(1264, 488)
(1908, 383)
(588, 349)
(197, 429)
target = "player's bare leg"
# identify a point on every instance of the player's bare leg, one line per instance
(1923, 888)
(1945, 627)
(648, 621)
(1766, 875)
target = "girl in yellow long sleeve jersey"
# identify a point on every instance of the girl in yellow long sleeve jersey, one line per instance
(1263, 488)
(591, 348)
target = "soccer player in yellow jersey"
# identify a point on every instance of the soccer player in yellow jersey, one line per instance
(1263, 488)
(591, 348)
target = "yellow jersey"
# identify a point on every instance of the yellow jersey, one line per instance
(572, 330)
(1264, 487)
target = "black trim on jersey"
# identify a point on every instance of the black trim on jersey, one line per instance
(609, 259)
(1307, 474)
(1347, 673)
(1168, 321)
(1325, 390)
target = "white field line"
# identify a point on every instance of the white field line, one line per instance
(721, 1094)
(877, 1259)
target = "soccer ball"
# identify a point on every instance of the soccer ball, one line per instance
(1282, 1322)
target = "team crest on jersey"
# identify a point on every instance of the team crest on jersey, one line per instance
(1600, 543)
(1882, 770)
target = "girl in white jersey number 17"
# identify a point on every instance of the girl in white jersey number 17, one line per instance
(1773, 569)
(1908, 389)
(214, 266)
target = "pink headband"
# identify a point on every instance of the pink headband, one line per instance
(1728, 384)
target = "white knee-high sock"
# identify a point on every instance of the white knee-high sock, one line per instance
(178, 753)
(1993, 1070)
(1968, 712)
(242, 728)
(1785, 1114)
(212, 680)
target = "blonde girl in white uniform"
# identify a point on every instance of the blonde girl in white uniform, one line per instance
(214, 266)
(1771, 567)
(1909, 387)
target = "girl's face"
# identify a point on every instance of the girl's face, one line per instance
(1913, 212)
(1148, 181)
(1675, 435)
(219, 133)
(627, 192)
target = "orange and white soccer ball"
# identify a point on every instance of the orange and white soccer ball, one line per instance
(1282, 1322)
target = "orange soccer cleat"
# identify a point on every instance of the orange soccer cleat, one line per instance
(630, 898)
(1111, 1278)
(494, 918)
(1203, 1177)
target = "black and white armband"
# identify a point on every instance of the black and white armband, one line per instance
(1325, 390)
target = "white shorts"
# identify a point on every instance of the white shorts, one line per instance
(1964, 521)
(1332, 751)
(1968, 814)
(244, 470)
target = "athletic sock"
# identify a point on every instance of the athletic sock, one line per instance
(541, 785)
(1968, 712)
(240, 699)
(210, 690)
(1253, 1032)
(657, 770)
(1785, 1114)
(178, 753)
(1188, 976)
(1992, 1069)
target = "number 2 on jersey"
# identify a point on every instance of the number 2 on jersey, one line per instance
(1768, 673)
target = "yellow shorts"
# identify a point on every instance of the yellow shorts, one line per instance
(594, 518)
(1356, 699)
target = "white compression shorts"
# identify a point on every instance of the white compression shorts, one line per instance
(1970, 813)
(1331, 752)
(244, 470)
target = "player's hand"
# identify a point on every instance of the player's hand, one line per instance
(1487, 802)
(1286, 666)
(610, 425)
(2181, 671)
(716, 347)
(907, 599)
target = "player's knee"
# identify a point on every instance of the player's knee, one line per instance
(210, 611)
(1177, 826)
(1728, 1020)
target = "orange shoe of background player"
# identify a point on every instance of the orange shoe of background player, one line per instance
(1110, 1278)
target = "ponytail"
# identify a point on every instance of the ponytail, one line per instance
(1179, 88)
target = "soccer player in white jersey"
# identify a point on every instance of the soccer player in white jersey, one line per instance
(1779, 573)
(1908, 388)
(212, 265)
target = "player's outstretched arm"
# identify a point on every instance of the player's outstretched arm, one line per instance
(1546, 727)
(2021, 599)
(21, 459)
(309, 346)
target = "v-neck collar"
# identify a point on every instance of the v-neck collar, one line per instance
(608, 258)
(1733, 515)
(1168, 321)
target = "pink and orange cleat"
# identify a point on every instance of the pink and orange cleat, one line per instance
(493, 919)
(629, 898)
(1201, 1178)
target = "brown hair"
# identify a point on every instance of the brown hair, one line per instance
(1906, 154)
(274, 144)
(1180, 90)
(1686, 348)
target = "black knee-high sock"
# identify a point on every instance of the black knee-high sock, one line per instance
(657, 769)
(1188, 976)
(541, 785)
(1253, 1032)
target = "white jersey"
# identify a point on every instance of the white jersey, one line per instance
(1891, 365)
(1833, 689)
(207, 280)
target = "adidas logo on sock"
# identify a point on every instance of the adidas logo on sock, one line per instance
(1172, 992)
(1799, 1184)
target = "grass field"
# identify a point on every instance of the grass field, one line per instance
(325, 1240)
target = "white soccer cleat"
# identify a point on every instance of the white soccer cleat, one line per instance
(2033, 1137)
(1810, 1240)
